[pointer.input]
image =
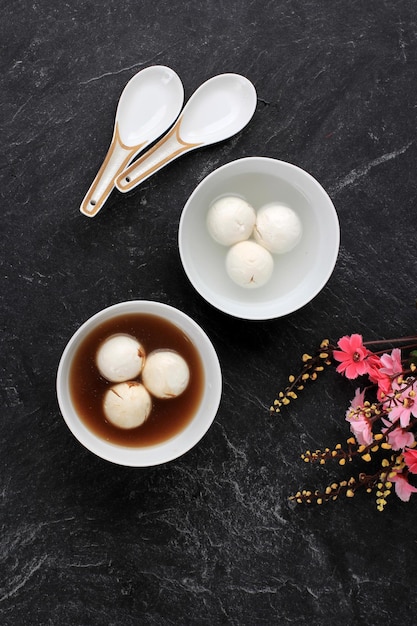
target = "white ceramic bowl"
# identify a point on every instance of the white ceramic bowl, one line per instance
(172, 448)
(298, 275)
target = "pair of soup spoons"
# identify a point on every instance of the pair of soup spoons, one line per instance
(149, 106)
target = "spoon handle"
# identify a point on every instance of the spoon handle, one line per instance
(118, 156)
(170, 147)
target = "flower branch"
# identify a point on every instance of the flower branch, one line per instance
(382, 416)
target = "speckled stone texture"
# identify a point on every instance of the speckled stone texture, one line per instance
(210, 538)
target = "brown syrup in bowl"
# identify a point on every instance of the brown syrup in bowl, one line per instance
(168, 416)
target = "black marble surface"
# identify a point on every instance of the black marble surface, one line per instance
(211, 537)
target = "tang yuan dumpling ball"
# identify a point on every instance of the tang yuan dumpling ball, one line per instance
(278, 228)
(120, 358)
(127, 405)
(249, 265)
(230, 219)
(165, 374)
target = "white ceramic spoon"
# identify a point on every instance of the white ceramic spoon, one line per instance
(220, 108)
(149, 104)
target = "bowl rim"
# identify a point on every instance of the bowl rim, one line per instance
(256, 313)
(188, 437)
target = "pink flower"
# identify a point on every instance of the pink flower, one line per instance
(361, 428)
(403, 489)
(352, 356)
(405, 405)
(398, 438)
(391, 363)
(383, 370)
(373, 367)
(390, 368)
(384, 387)
(359, 424)
(357, 402)
(410, 457)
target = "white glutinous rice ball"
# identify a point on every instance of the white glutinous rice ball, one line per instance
(249, 265)
(278, 228)
(230, 219)
(165, 374)
(127, 405)
(120, 358)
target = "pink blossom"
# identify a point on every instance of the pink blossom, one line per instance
(398, 438)
(405, 405)
(373, 367)
(352, 356)
(359, 423)
(383, 370)
(357, 402)
(391, 363)
(377, 375)
(410, 457)
(361, 428)
(384, 387)
(391, 367)
(403, 489)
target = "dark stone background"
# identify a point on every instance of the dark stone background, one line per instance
(210, 538)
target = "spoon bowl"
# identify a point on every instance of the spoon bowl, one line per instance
(219, 109)
(149, 104)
